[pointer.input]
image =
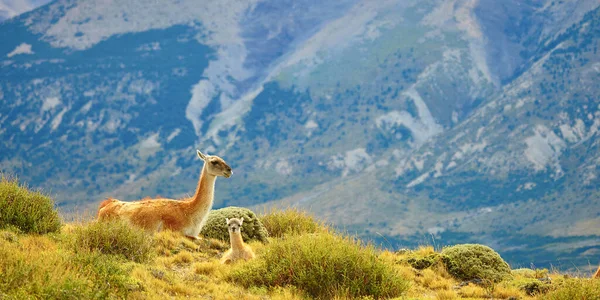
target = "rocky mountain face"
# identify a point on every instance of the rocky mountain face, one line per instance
(407, 122)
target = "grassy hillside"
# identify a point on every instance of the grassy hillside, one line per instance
(302, 259)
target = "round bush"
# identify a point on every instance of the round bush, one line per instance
(25, 210)
(324, 266)
(474, 261)
(216, 227)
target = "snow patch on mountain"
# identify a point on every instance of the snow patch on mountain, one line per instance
(58, 119)
(86, 108)
(411, 163)
(149, 146)
(173, 135)
(23, 48)
(422, 129)
(544, 148)
(202, 94)
(50, 103)
(350, 162)
(310, 126)
(229, 117)
(418, 181)
(283, 167)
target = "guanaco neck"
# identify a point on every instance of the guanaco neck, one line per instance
(235, 238)
(205, 191)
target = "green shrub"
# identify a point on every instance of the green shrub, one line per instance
(524, 272)
(529, 273)
(323, 265)
(423, 262)
(584, 289)
(289, 221)
(116, 238)
(216, 227)
(474, 261)
(25, 210)
(533, 287)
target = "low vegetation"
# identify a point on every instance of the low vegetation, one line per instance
(290, 221)
(324, 265)
(475, 262)
(116, 238)
(34, 266)
(307, 260)
(24, 210)
(586, 289)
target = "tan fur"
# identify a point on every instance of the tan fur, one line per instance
(597, 275)
(239, 249)
(186, 216)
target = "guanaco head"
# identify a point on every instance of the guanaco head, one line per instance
(234, 225)
(215, 165)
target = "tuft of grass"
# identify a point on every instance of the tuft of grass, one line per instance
(206, 268)
(323, 265)
(24, 210)
(289, 222)
(474, 261)
(116, 238)
(35, 267)
(431, 279)
(507, 291)
(183, 258)
(473, 291)
(446, 295)
(585, 289)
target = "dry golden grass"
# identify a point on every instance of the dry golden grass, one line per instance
(446, 295)
(289, 221)
(502, 291)
(182, 258)
(473, 291)
(47, 267)
(183, 268)
(191, 268)
(424, 250)
(430, 279)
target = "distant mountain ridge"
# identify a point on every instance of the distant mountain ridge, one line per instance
(463, 120)
(11, 8)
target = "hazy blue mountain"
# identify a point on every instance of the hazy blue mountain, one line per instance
(11, 8)
(405, 121)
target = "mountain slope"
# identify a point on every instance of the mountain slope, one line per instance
(12, 8)
(520, 173)
(469, 120)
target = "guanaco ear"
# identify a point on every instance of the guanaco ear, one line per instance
(227, 220)
(241, 221)
(202, 156)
